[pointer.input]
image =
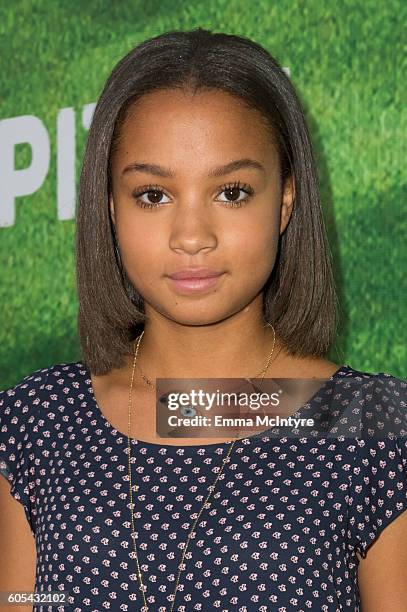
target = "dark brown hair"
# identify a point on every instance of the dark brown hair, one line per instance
(299, 297)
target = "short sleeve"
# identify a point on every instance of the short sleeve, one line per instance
(18, 410)
(378, 480)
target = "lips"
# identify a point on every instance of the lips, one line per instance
(195, 273)
(195, 281)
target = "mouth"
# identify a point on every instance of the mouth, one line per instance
(195, 284)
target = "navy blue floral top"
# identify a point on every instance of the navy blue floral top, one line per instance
(280, 532)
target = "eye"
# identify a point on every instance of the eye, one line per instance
(153, 196)
(232, 193)
(236, 194)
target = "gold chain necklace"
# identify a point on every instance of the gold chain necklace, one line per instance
(211, 488)
(263, 371)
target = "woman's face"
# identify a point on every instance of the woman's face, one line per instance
(177, 205)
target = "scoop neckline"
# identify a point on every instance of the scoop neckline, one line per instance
(107, 426)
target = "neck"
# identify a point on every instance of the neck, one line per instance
(239, 346)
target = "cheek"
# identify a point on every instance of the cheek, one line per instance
(253, 246)
(140, 251)
(137, 239)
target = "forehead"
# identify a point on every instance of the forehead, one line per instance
(208, 122)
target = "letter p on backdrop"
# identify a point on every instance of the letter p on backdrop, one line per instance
(15, 183)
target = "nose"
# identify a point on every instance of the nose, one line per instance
(192, 230)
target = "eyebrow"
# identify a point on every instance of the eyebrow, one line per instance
(215, 172)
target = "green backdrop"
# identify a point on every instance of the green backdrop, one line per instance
(346, 60)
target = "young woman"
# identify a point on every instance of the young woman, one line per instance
(201, 253)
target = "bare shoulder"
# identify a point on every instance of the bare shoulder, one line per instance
(322, 368)
(306, 367)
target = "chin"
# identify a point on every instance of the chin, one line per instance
(194, 318)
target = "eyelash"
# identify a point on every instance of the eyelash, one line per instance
(229, 186)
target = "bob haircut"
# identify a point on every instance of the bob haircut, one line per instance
(299, 297)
